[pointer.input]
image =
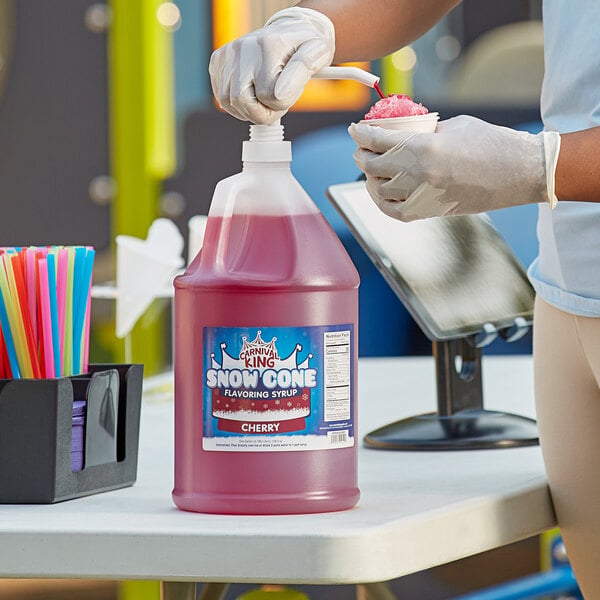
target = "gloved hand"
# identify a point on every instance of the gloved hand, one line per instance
(467, 166)
(259, 76)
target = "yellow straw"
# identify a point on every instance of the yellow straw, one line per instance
(9, 292)
(9, 309)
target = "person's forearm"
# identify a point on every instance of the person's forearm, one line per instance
(578, 168)
(369, 29)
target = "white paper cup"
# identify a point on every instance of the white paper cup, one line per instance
(416, 123)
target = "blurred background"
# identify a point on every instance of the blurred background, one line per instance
(107, 121)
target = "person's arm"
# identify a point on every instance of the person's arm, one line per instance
(259, 76)
(467, 166)
(367, 30)
(578, 168)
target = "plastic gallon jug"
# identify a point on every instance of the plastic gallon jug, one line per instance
(266, 350)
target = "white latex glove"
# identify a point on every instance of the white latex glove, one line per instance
(467, 166)
(259, 76)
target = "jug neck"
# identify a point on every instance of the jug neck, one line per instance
(266, 145)
(279, 166)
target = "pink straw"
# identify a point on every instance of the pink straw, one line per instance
(2, 369)
(31, 291)
(63, 258)
(46, 318)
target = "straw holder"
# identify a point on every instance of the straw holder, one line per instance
(36, 429)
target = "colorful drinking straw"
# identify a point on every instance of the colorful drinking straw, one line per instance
(45, 310)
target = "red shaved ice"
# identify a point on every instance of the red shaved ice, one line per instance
(395, 105)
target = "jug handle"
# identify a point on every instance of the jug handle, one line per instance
(223, 241)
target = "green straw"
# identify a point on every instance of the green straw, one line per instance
(68, 355)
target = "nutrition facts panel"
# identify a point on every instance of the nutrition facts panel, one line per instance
(337, 375)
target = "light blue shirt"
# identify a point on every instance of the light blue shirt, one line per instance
(567, 272)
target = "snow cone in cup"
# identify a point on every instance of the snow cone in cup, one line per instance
(400, 112)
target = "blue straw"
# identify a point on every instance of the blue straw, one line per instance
(85, 291)
(78, 265)
(8, 340)
(83, 277)
(51, 264)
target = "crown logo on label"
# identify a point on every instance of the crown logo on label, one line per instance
(260, 355)
(258, 348)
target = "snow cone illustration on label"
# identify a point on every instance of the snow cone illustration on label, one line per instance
(259, 398)
(260, 392)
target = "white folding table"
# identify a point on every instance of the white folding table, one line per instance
(417, 509)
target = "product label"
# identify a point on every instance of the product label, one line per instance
(278, 388)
